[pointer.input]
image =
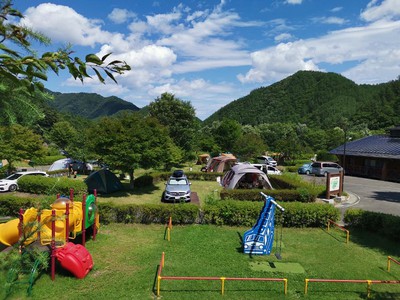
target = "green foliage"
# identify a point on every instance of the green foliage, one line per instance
(185, 213)
(18, 143)
(51, 186)
(180, 118)
(226, 133)
(90, 105)
(248, 146)
(47, 160)
(385, 224)
(10, 204)
(243, 213)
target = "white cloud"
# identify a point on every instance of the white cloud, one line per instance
(330, 20)
(367, 47)
(293, 1)
(119, 15)
(378, 10)
(62, 23)
(336, 9)
(283, 37)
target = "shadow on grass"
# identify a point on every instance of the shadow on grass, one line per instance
(126, 191)
(374, 241)
(334, 232)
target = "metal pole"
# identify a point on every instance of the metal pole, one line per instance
(344, 155)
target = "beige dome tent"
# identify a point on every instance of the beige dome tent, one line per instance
(245, 176)
(220, 163)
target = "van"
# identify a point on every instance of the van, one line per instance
(267, 160)
(322, 168)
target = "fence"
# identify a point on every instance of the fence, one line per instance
(341, 228)
(222, 279)
(368, 282)
(393, 260)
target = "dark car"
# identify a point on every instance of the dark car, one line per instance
(305, 169)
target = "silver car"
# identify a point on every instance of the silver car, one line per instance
(322, 168)
(177, 189)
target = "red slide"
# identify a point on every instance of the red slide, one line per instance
(76, 259)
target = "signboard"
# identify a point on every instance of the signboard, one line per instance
(334, 184)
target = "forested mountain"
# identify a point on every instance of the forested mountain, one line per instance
(89, 105)
(317, 99)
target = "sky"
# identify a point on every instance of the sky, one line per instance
(213, 52)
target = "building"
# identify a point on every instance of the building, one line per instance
(376, 156)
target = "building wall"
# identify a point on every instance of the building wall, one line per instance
(371, 167)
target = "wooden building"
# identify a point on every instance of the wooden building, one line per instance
(376, 156)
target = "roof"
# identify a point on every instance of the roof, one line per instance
(242, 168)
(379, 146)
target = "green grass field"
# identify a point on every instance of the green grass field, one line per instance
(126, 257)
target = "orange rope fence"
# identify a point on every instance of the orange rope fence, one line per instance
(341, 228)
(169, 228)
(368, 282)
(223, 279)
(393, 260)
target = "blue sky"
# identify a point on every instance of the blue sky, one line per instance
(213, 52)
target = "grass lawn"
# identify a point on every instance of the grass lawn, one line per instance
(153, 194)
(126, 258)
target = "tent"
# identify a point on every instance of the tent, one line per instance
(104, 181)
(61, 164)
(220, 163)
(245, 176)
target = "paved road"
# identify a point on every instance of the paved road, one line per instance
(375, 195)
(372, 195)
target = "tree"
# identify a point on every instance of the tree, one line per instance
(18, 143)
(226, 133)
(63, 134)
(180, 118)
(130, 142)
(248, 146)
(20, 74)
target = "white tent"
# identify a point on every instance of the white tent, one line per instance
(245, 176)
(60, 164)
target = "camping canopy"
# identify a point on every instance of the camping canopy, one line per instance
(104, 181)
(245, 176)
(60, 164)
(221, 163)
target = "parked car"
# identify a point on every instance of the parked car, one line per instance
(273, 171)
(322, 168)
(177, 188)
(10, 183)
(267, 160)
(305, 169)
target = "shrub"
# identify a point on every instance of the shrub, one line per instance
(300, 195)
(148, 213)
(237, 213)
(51, 185)
(385, 224)
(10, 204)
(47, 160)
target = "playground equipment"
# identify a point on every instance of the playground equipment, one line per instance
(54, 228)
(260, 239)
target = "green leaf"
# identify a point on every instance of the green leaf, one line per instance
(101, 79)
(40, 75)
(111, 76)
(91, 58)
(105, 57)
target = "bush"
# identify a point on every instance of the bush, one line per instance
(148, 213)
(10, 204)
(50, 185)
(237, 213)
(47, 160)
(388, 225)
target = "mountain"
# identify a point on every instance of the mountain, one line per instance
(90, 105)
(317, 99)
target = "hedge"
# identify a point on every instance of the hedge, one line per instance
(51, 185)
(237, 213)
(385, 224)
(11, 204)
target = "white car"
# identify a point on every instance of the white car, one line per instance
(272, 171)
(10, 183)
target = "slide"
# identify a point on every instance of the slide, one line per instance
(260, 238)
(9, 232)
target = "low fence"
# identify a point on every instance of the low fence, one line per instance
(340, 228)
(368, 282)
(393, 260)
(222, 279)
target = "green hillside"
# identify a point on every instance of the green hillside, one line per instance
(319, 100)
(90, 105)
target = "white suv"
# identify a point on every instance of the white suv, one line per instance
(10, 183)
